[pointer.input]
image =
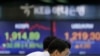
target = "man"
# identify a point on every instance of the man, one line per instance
(59, 47)
(53, 47)
(46, 42)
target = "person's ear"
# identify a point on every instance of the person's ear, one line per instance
(56, 53)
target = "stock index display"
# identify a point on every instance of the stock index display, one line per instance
(22, 37)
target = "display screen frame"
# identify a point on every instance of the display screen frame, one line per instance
(26, 20)
(79, 20)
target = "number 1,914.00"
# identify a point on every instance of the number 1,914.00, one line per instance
(25, 36)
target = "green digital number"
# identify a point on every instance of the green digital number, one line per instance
(7, 35)
(17, 45)
(34, 36)
(19, 35)
(24, 36)
(31, 45)
(9, 45)
(14, 36)
(31, 36)
(38, 45)
(37, 35)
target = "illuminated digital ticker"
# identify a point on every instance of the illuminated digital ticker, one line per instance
(95, 36)
(19, 36)
(83, 35)
(55, 10)
(86, 37)
(24, 39)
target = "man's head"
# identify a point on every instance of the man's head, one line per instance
(47, 41)
(68, 44)
(59, 47)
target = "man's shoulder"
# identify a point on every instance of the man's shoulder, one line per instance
(37, 53)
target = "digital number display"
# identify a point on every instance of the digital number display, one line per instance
(22, 37)
(95, 36)
(83, 35)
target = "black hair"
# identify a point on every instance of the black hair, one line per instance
(59, 45)
(47, 41)
(68, 44)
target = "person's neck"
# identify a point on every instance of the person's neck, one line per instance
(51, 55)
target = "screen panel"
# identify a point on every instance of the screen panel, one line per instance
(83, 35)
(23, 37)
(47, 12)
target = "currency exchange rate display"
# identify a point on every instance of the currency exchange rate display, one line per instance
(83, 35)
(22, 37)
